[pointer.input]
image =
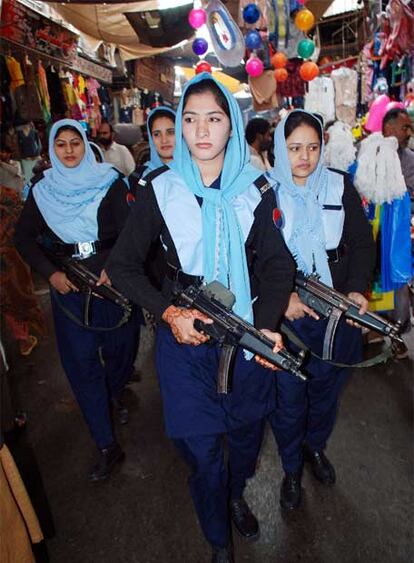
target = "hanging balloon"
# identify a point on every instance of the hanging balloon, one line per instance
(251, 13)
(253, 39)
(203, 66)
(304, 20)
(308, 71)
(254, 67)
(281, 74)
(306, 48)
(197, 18)
(279, 60)
(200, 46)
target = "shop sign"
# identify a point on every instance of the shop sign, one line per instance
(26, 27)
(92, 69)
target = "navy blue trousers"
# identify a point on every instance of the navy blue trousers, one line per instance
(97, 364)
(213, 483)
(306, 411)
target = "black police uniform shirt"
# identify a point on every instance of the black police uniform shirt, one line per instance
(33, 235)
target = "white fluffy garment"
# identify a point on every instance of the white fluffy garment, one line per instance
(379, 178)
(340, 150)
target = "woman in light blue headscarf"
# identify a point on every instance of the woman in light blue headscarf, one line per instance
(215, 224)
(161, 138)
(324, 226)
(76, 210)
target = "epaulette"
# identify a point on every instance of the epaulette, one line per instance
(262, 184)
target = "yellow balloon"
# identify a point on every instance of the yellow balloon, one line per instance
(304, 20)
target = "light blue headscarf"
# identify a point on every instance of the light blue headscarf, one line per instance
(155, 160)
(68, 198)
(224, 256)
(302, 213)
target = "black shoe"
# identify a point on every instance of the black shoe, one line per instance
(222, 555)
(109, 457)
(245, 521)
(322, 468)
(290, 491)
(120, 410)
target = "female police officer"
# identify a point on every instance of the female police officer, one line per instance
(325, 229)
(77, 208)
(213, 222)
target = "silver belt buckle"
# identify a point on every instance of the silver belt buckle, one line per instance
(85, 249)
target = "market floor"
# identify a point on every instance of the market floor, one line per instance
(144, 514)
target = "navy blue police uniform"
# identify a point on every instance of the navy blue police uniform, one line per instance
(196, 416)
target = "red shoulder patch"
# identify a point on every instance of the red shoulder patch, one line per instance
(130, 199)
(277, 218)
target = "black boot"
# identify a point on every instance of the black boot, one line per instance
(322, 468)
(222, 555)
(290, 491)
(108, 458)
(245, 521)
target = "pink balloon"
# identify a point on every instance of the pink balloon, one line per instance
(302, 2)
(376, 113)
(393, 105)
(197, 18)
(254, 67)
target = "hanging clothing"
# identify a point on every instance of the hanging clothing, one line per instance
(294, 86)
(43, 91)
(346, 84)
(20, 306)
(321, 98)
(15, 71)
(58, 107)
(263, 91)
(29, 141)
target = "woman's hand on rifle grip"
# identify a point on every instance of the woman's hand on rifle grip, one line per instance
(61, 283)
(181, 322)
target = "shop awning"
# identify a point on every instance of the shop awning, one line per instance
(107, 22)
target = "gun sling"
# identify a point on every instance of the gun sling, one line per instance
(381, 358)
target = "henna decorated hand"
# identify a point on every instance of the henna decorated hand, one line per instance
(181, 322)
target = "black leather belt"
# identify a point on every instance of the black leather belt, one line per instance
(336, 254)
(82, 250)
(177, 275)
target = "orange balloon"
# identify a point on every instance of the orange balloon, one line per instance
(304, 20)
(308, 71)
(279, 60)
(281, 74)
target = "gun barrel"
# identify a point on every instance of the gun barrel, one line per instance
(335, 299)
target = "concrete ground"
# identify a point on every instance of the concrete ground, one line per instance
(144, 514)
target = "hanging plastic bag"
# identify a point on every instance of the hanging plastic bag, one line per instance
(227, 39)
(400, 247)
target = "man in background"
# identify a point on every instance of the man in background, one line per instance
(397, 123)
(114, 153)
(259, 139)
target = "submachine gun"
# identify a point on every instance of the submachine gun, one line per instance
(86, 281)
(332, 305)
(230, 331)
